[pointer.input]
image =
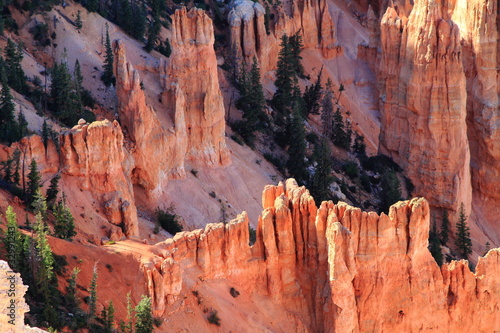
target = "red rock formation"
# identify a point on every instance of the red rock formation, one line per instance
(95, 156)
(424, 103)
(335, 267)
(249, 38)
(193, 56)
(158, 153)
(438, 67)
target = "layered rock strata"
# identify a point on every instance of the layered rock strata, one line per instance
(335, 267)
(190, 79)
(424, 102)
(310, 18)
(440, 113)
(94, 155)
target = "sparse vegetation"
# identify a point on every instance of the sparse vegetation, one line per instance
(168, 220)
(213, 318)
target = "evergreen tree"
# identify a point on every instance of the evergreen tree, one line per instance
(44, 252)
(108, 77)
(445, 228)
(327, 111)
(296, 164)
(153, 33)
(108, 317)
(487, 248)
(64, 224)
(312, 96)
(144, 316)
(296, 46)
(321, 179)
(463, 241)
(92, 5)
(45, 133)
(33, 178)
(17, 158)
(13, 240)
(93, 295)
(391, 190)
(8, 125)
(7, 169)
(359, 146)
(128, 326)
(53, 190)
(14, 71)
(22, 126)
(39, 203)
(435, 246)
(284, 83)
(71, 297)
(341, 131)
(251, 102)
(78, 22)
(78, 78)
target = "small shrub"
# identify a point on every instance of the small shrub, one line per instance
(279, 163)
(168, 220)
(212, 194)
(312, 138)
(109, 267)
(380, 164)
(365, 182)
(237, 140)
(252, 236)
(194, 172)
(235, 293)
(157, 321)
(213, 318)
(40, 33)
(110, 242)
(351, 169)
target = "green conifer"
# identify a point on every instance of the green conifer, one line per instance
(108, 77)
(144, 316)
(463, 241)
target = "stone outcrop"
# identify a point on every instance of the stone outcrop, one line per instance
(95, 156)
(311, 18)
(200, 99)
(335, 267)
(157, 152)
(12, 302)
(440, 120)
(424, 102)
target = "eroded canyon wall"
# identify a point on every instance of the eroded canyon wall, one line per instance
(335, 267)
(439, 102)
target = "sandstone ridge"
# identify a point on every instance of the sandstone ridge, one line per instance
(335, 267)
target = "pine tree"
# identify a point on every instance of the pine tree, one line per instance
(108, 317)
(445, 228)
(435, 246)
(22, 126)
(128, 326)
(78, 78)
(312, 96)
(7, 169)
(45, 133)
(71, 296)
(14, 71)
(64, 224)
(8, 125)
(285, 73)
(327, 111)
(296, 46)
(144, 316)
(487, 247)
(78, 22)
(108, 77)
(321, 179)
(391, 190)
(92, 5)
(44, 251)
(53, 190)
(93, 295)
(33, 178)
(39, 203)
(359, 146)
(341, 131)
(17, 158)
(13, 240)
(296, 164)
(153, 33)
(463, 241)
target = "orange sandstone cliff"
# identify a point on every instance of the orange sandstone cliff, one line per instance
(333, 268)
(439, 90)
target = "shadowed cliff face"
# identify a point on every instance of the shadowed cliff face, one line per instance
(335, 267)
(440, 120)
